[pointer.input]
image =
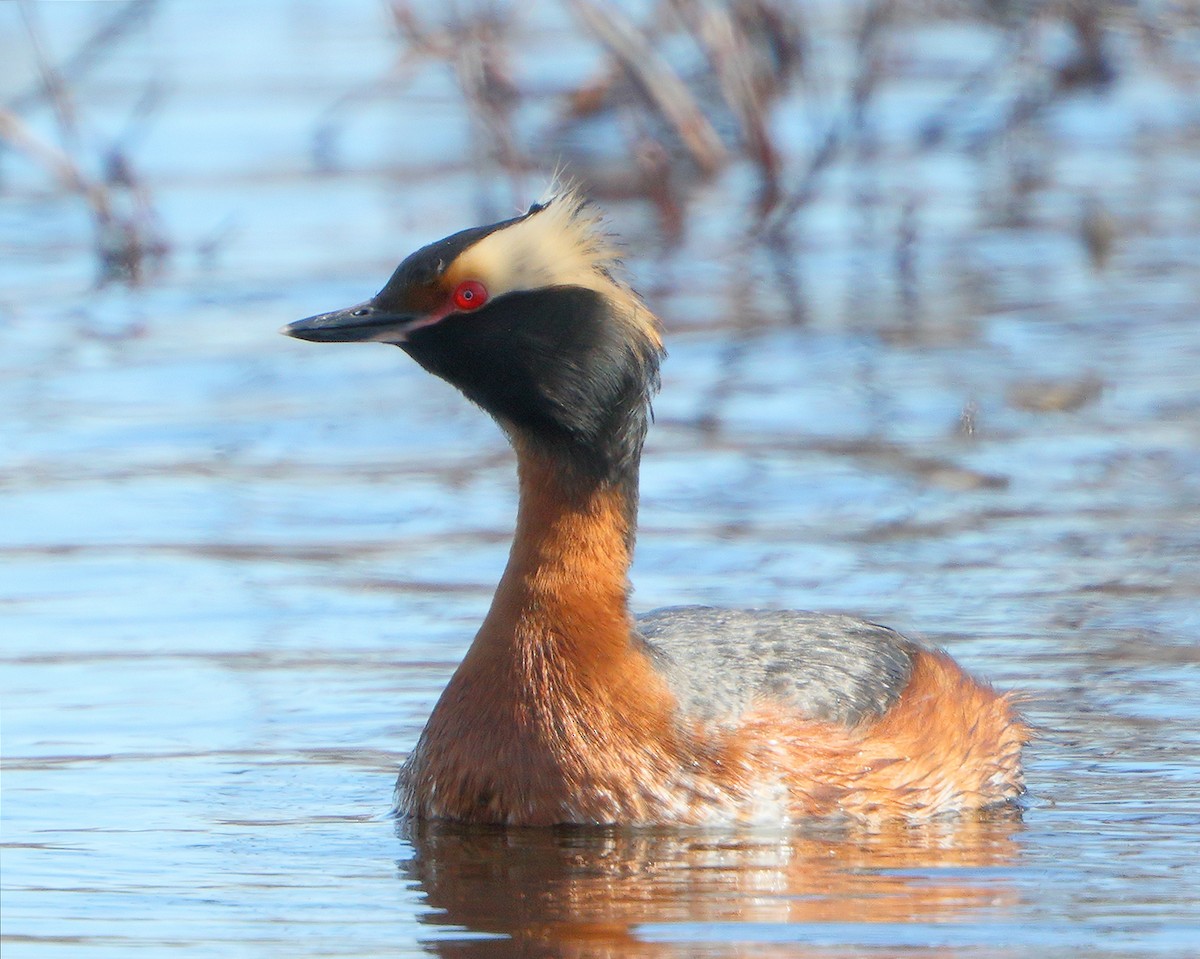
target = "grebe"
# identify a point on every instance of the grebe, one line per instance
(567, 709)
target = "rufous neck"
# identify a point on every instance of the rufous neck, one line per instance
(566, 584)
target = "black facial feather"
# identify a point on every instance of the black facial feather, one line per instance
(555, 365)
(423, 267)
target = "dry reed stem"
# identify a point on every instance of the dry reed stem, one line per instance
(659, 84)
(731, 55)
(124, 243)
(17, 134)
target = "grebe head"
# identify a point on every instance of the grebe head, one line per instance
(531, 320)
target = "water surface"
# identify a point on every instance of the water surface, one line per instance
(237, 570)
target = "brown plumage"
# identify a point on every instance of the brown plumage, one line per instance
(562, 711)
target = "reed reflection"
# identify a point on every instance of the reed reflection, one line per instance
(583, 892)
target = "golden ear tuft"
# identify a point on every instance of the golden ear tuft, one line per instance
(561, 241)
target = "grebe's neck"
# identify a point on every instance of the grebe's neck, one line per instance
(564, 594)
(556, 714)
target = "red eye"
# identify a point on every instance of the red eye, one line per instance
(470, 295)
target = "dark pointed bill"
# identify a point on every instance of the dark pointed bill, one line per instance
(356, 324)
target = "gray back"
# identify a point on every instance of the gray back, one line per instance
(718, 662)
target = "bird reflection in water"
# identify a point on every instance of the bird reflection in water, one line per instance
(585, 892)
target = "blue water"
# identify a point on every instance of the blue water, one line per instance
(237, 570)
